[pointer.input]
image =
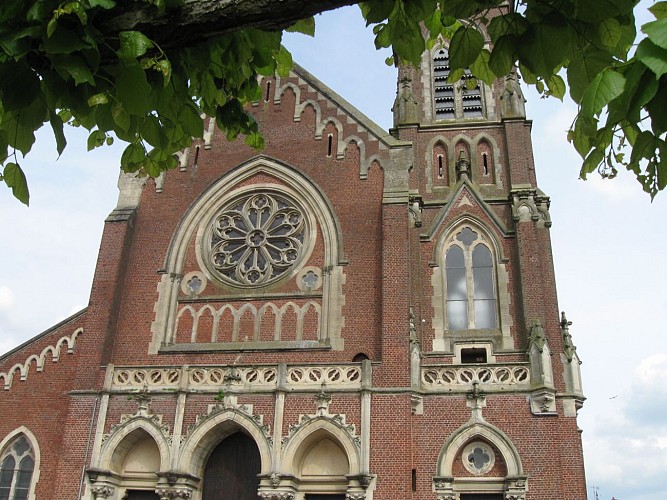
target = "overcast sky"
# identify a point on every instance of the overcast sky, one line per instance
(609, 249)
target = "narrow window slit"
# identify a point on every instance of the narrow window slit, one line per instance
(330, 145)
(196, 156)
(268, 91)
(486, 163)
(441, 172)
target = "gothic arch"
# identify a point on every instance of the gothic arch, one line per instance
(207, 435)
(475, 223)
(479, 138)
(429, 160)
(37, 455)
(129, 433)
(366, 166)
(478, 432)
(487, 432)
(501, 335)
(314, 430)
(281, 90)
(294, 184)
(299, 108)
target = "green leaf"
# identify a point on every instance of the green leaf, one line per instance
(96, 139)
(132, 89)
(459, 9)
(376, 11)
(596, 11)
(556, 86)
(610, 32)
(653, 56)
(133, 44)
(406, 37)
(73, 66)
(305, 26)
(382, 36)
(592, 162)
(480, 68)
(503, 55)
(657, 32)
(511, 24)
(19, 86)
(57, 127)
(191, 121)
(644, 147)
(120, 117)
(583, 69)
(546, 46)
(606, 86)
(96, 99)
(65, 41)
(255, 140)
(656, 109)
(105, 4)
(51, 27)
(132, 157)
(284, 61)
(15, 179)
(659, 10)
(465, 47)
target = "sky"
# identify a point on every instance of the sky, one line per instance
(609, 251)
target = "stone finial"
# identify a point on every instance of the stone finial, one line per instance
(568, 346)
(143, 400)
(512, 101)
(322, 400)
(537, 336)
(405, 105)
(462, 166)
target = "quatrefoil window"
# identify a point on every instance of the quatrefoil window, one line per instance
(256, 239)
(478, 458)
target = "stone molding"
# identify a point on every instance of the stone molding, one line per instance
(40, 359)
(249, 378)
(491, 378)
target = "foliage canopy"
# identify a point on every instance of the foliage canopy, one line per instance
(63, 63)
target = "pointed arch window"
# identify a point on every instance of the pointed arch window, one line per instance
(471, 300)
(16, 470)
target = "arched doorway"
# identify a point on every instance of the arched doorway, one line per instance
(232, 468)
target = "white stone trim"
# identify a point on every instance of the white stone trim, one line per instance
(313, 201)
(37, 454)
(40, 360)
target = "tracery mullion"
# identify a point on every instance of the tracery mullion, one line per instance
(470, 286)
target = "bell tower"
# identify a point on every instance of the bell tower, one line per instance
(482, 286)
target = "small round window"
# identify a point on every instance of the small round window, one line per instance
(256, 239)
(478, 458)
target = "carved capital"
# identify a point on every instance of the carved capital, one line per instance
(174, 493)
(276, 495)
(102, 491)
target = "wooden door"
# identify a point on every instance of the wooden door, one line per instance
(141, 495)
(325, 497)
(231, 470)
(482, 496)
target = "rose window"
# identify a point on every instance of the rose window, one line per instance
(256, 239)
(478, 458)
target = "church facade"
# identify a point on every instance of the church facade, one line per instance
(349, 314)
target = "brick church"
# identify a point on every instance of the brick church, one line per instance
(348, 314)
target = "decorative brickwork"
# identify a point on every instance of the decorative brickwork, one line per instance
(374, 315)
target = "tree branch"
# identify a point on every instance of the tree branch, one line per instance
(199, 20)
